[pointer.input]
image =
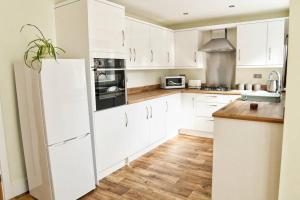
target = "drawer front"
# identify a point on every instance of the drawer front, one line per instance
(205, 109)
(204, 124)
(215, 98)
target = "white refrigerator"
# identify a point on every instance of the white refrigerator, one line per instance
(56, 131)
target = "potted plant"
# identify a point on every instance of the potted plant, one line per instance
(39, 48)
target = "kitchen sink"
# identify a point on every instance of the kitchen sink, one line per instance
(261, 96)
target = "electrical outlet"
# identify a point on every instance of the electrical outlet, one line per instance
(258, 76)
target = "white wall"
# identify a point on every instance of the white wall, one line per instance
(290, 174)
(13, 14)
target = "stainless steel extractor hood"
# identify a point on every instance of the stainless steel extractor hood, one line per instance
(218, 43)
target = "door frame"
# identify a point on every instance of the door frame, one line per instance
(3, 159)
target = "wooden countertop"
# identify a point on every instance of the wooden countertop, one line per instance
(144, 96)
(267, 112)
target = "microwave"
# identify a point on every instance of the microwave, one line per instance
(172, 82)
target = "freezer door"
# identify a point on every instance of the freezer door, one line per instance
(71, 166)
(65, 99)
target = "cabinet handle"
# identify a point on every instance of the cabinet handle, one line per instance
(126, 119)
(168, 57)
(134, 54)
(167, 107)
(195, 57)
(212, 96)
(210, 120)
(213, 105)
(152, 56)
(270, 53)
(147, 117)
(123, 35)
(239, 54)
(193, 99)
(151, 115)
(130, 54)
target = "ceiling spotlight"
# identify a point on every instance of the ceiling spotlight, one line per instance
(185, 13)
(231, 6)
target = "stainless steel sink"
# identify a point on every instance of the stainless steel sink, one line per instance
(261, 96)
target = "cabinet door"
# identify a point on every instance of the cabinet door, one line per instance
(188, 115)
(275, 43)
(173, 115)
(106, 27)
(169, 48)
(252, 44)
(140, 35)
(129, 43)
(157, 120)
(158, 50)
(111, 137)
(186, 49)
(138, 127)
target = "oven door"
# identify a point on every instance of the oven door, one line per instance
(110, 90)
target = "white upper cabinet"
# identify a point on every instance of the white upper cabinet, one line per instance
(91, 28)
(157, 48)
(186, 49)
(275, 49)
(137, 44)
(106, 27)
(148, 46)
(252, 43)
(260, 44)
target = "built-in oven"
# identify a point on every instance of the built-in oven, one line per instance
(109, 83)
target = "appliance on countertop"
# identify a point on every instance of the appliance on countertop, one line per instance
(109, 83)
(172, 82)
(194, 84)
(274, 83)
(220, 60)
(56, 137)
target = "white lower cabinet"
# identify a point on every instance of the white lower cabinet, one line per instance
(173, 115)
(123, 133)
(198, 109)
(157, 114)
(127, 130)
(112, 141)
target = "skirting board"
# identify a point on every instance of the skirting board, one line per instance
(196, 133)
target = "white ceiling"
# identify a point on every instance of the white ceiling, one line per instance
(169, 12)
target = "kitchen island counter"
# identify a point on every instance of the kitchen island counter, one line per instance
(266, 112)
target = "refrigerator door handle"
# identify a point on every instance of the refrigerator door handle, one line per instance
(64, 142)
(83, 136)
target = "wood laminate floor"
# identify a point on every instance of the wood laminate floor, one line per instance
(180, 169)
(1, 195)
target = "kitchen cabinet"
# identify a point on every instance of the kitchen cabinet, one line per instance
(106, 35)
(112, 141)
(137, 44)
(186, 49)
(252, 44)
(173, 114)
(96, 26)
(275, 47)
(139, 132)
(260, 44)
(156, 117)
(148, 46)
(188, 100)
(198, 109)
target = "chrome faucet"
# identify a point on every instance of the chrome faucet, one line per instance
(274, 85)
